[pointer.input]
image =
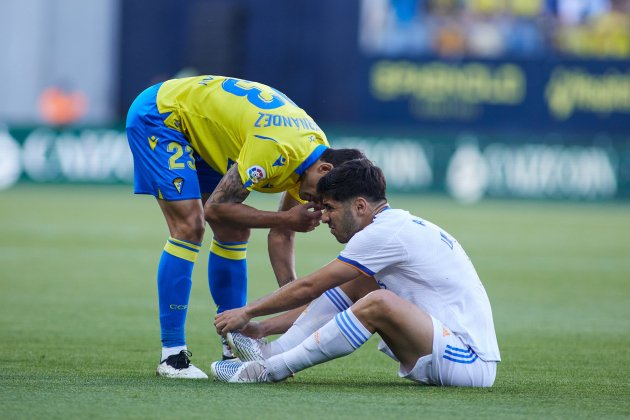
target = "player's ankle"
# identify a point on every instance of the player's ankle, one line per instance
(169, 351)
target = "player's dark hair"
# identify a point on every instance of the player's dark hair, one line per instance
(338, 156)
(355, 178)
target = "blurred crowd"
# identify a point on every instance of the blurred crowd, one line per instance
(588, 29)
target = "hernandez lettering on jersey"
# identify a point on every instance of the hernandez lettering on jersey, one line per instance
(277, 120)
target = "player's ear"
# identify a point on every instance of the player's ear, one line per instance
(360, 206)
(324, 167)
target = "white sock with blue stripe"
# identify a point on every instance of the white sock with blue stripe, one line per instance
(318, 313)
(339, 337)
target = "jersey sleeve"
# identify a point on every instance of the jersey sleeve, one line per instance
(369, 252)
(261, 160)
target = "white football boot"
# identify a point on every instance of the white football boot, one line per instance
(240, 372)
(179, 366)
(245, 348)
(228, 354)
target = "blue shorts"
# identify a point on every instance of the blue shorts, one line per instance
(165, 165)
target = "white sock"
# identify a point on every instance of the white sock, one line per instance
(169, 351)
(339, 337)
(318, 313)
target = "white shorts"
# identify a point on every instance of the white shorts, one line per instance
(452, 363)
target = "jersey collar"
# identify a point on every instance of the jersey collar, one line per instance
(315, 154)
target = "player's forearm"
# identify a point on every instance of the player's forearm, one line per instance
(281, 254)
(243, 216)
(302, 291)
(290, 296)
(281, 323)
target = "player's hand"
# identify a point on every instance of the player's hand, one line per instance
(303, 218)
(233, 319)
(253, 329)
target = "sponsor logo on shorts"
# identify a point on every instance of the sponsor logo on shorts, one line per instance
(178, 183)
(316, 337)
(445, 332)
(256, 173)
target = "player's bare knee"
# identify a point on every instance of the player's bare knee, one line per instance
(374, 306)
(198, 230)
(192, 228)
(381, 300)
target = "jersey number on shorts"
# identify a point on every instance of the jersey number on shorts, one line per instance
(254, 94)
(178, 152)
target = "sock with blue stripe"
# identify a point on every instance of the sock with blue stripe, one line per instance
(340, 336)
(227, 274)
(174, 281)
(318, 313)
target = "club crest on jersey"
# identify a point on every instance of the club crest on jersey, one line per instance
(179, 184)
(256, 173)
(281, 161)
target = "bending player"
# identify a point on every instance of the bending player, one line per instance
(431, 309)
(200, 146)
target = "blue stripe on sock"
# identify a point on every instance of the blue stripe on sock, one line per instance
(230, 243)
(183, 246)
(354, 328)
(350, 330)
(187, 242)
(230, 249)
(334, 300)
(341, 299)
(345, 332)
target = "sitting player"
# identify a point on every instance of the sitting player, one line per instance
(431, 309)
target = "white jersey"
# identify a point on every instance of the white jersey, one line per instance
(423, 264)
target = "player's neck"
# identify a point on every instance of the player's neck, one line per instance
(379, 208)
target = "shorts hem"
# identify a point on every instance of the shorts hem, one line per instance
(166, 199)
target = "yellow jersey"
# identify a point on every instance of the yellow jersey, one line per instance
(229, 120)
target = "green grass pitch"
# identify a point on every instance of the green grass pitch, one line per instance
(79, 333)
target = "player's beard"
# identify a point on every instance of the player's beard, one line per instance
(346, 227)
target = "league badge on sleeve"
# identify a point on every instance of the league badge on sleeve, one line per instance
(256, 173)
